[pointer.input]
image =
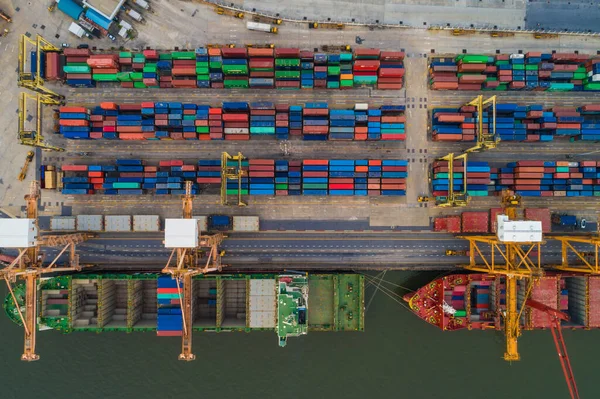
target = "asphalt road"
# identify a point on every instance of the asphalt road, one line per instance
(269, 251)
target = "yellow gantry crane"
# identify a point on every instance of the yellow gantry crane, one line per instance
(231, 172)
(29, 266)
(26, 79)
(187, 266)
(35, 138)
(587, 261)
(460, 198)
(485, 140)
(515, 260)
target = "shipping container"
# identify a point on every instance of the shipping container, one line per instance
(63, 223)
(245, 223)
(146, 223)
(117, 223)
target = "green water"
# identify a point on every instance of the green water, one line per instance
(398, 356)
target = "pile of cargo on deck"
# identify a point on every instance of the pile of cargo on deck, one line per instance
(231, 121)
(289, 68)
(486, 221)
(515, 122)
(529, 71)
(549, 178)
(470, 301)
(477, 178)
(262, 177)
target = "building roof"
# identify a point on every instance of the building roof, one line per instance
(98, 18)
(106, 8)
(70, 8)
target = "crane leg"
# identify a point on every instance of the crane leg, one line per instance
(186, 311)
(511, 321)
(29, 354)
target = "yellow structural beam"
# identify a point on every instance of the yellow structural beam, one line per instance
(485, 141)
(455, 198)
(231, 173)
(514, 261)
(29, 137)
(587, 261)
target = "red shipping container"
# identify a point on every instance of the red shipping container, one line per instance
(74, 168)
(475, 222)
(542, 215)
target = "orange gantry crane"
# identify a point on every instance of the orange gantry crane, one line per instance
(29, 265)
(188, 265)
(561, 348)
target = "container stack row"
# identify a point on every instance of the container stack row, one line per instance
(219, 68)
(231, 121)
(262, 177)
(169, 317)
(531, 123)
(486, 222)
(477, 178)
(549, 178)
(530, 71)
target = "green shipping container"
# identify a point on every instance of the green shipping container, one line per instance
(126, 185)
(124, 76)
(530, 67)
(235, 69)
(365, 80)
(288, 62)
(262, 130)
(333, 70)
(136, 76)
(346, 83)
(201, 129)
(105, 77)
(201, 64)
(287, 74)
(518, 67)
(281, 186)
(314, 186)
(234, 192)
(591, 86)
(125, 54)
(203, 77)
(149, 68)
(474, 59)
(579, 75)
(333, 85)
(139, 85)
(561, 86)
(183, 55)
(215, 65)
(228, 84)
(76, 69)
(165, 56)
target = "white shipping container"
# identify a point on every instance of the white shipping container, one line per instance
(142, 3)
(235, 130)
(361, 107)
(245, 223)
(135, 15)
(202, 223)
(258, 26)
(146, 223)
(125, 24)
(76, 30)
(517, 56)
(62, 223)
(90, 223)
(123, 33)
(117, 223)
(596, 78)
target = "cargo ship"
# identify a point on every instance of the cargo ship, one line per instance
(290, 304)
(476, 301)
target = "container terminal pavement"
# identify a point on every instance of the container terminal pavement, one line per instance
(345, 168)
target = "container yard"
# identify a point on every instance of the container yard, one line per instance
(313, 174)
(232, 121)
(229, 68)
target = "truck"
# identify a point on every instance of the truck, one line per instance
(142, 3)
(135, 15)
(76, 30)
(261, 27)
(564, 220)
(219, 222)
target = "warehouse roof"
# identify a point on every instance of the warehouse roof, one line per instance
(106, 8)
(70, 8)
(97, 18)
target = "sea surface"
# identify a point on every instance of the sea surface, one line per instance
(398, 356)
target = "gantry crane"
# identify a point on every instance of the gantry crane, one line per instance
(28, 159)
(233, 172)
(460, 198)
(561, 348)
(588, 260)
(29, 266)
(35, 138)
(485, 140)
(187, 266)
(516, 261)
(35, 81)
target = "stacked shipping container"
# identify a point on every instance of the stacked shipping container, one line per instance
(529, 123)
(477, 175)
(263, 177)
(169, 317)
(486, 222)
(232, 121)
(288, 68)
(530, 71)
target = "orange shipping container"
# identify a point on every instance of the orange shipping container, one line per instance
(73, 122)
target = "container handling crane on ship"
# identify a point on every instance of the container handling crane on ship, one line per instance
(29, 265)
(189, 246)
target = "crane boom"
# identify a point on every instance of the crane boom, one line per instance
(559, 342)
